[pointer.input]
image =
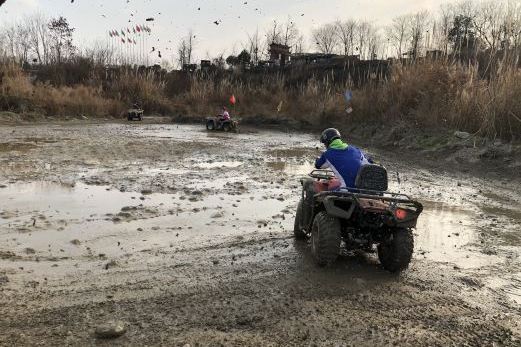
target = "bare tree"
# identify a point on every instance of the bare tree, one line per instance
(185, 49)
(300, 44)
(441, 35)
(325, 38)
(375, 44)
(363, 30)
(254, 46)
(512, 25)
(289, 33)
(345, 30)
(39, 37)
(100, 53)
(417, 27)
(397, 34)
(190, 44)
(10, 41)
(274, 33)
(182, 53)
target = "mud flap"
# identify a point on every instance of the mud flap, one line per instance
(308, 199)
(332, 210)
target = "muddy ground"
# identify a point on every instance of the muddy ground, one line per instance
(186, 237)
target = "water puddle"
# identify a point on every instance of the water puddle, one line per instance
(449, 234)
(78, 220)
(290, 168)
(218, 164)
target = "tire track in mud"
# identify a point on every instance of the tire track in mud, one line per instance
(232, 274)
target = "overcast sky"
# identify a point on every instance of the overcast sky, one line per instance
(94, 18)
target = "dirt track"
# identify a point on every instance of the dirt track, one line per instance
(186, 236)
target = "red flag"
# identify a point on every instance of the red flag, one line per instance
(232, 100)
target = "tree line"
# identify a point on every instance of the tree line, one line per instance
(464, 28)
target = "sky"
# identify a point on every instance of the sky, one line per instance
(93, 19)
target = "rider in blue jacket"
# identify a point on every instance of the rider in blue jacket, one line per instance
(345, 160)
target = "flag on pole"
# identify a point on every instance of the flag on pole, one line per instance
(232, 100)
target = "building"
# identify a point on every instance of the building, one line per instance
(280, 54)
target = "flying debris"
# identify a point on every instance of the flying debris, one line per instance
(151, 19)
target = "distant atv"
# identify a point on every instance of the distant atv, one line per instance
(135, 114)
(215, 123)
(357, 218)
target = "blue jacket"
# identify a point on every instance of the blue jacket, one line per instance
(345, 161)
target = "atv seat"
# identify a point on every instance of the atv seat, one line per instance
(372, 177)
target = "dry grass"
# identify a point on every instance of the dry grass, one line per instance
(18, 93)
(425, 95)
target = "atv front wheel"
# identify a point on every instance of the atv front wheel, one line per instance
(325, 239)
(210, 125)
(297, 229)
(396, 253)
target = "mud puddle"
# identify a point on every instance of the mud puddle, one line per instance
(125, 219)
(448, 234)
(69, 221)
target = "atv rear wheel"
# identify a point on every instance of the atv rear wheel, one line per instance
(325, 239)
(210, 125)
(396, 253)
(297, 229)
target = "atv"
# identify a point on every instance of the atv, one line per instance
(135, 114)
(357, 219)
(215, 123)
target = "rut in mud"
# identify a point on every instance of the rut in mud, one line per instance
(186, 236)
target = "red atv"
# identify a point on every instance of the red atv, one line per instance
(357, 218)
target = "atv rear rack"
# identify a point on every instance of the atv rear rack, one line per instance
(354, 195)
